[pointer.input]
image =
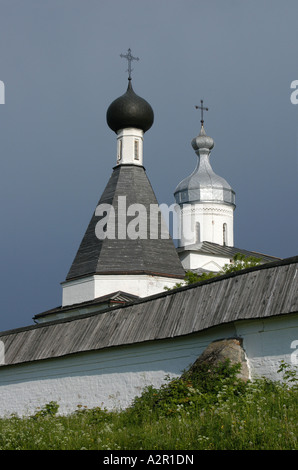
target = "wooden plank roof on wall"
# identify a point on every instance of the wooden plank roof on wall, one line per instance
(261, 292)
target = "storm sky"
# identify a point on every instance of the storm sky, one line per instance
(61, 66)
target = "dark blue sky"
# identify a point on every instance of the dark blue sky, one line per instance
(59, 60)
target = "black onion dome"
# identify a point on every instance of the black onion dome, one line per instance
(130, 110)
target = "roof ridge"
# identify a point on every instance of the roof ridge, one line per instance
(274, 264)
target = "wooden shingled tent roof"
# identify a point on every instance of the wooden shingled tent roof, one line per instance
(151, 255)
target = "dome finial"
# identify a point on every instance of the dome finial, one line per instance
(202, 110)
(202, 142)
(129, 58)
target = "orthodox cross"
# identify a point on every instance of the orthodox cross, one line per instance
(202, 110)
(129, 58)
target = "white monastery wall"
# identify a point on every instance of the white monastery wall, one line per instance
(111, 378)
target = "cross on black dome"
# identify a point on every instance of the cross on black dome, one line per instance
(130, 110)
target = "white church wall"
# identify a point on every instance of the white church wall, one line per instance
(113, 377)
(142, 285)
(194, 260)
(78, 291)
(206, 222)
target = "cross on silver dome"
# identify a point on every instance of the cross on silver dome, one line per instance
(203, 185)
(202, 110)
(129, 58)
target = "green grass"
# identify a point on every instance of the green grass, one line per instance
(210, 409)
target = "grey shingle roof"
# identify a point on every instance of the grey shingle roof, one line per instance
(261, 292)
(209, 248)
(126, 256)
(118, 297)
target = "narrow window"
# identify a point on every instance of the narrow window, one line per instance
(183, 196)
(119, 150)
(198, 234)
(224, 234)
(136, 150)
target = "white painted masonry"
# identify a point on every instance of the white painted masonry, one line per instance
(206, 222)
(130, 146)
(193, 258)
(91, 287)
(112, 377)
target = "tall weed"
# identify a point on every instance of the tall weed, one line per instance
(209, 408)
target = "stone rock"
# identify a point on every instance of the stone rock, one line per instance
(220, 350)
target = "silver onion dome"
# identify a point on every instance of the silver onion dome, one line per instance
(203, 185)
